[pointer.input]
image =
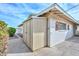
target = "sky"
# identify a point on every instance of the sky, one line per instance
(15, 13)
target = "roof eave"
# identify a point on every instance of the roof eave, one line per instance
(65, 13)
(60, 9)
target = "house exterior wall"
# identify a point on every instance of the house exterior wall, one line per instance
(70, 32)
(19, 30)
(21, 27)
(58, 36)
(77, 30)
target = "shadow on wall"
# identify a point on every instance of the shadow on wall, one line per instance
(69, 34)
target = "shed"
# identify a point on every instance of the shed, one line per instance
(48, 28)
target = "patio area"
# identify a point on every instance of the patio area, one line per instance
(67, 48)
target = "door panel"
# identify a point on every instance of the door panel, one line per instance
(39, 33)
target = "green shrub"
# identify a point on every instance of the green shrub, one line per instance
(11, 31)
(3, 25)
(3, 28)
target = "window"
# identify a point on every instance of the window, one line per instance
(60, 26)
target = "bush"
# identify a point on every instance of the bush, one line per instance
(11, 31)
(3, 37)
(3, 28)
(3, 42)
(2, 25)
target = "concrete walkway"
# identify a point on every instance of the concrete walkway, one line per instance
(17, 46)
(67, 48)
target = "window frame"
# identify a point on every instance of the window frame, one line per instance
(59, 24)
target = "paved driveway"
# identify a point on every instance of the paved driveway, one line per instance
(17, 46)
(67, 48)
